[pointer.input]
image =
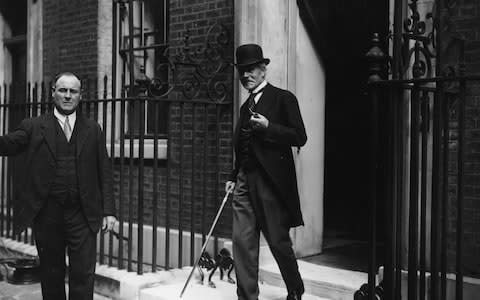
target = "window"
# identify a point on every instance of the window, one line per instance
(146, 57)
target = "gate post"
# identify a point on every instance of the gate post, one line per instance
(376, 58)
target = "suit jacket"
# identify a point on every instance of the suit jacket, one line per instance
(272, 146)
(35, 139)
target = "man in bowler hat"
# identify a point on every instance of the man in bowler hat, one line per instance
(66, 191)
(263, 181)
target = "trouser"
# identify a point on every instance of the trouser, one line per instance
(58, 228)
(257, 208)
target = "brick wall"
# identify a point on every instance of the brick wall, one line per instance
(465, 18)
(70, 37)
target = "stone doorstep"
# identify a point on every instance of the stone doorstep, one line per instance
(322, 281)
(471, 286)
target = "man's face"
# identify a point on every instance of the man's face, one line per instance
(66, 94)
(251, 76)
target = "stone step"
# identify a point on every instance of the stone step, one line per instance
(223, 291)
(171, 290)
(321, 281)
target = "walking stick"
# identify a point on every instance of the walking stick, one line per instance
(206, 241)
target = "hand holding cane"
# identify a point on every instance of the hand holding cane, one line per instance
(207, 239)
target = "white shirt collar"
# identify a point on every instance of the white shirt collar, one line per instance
(72, 118)
(257, 89)
(260, 86)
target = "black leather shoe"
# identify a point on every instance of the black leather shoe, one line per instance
(294, 296)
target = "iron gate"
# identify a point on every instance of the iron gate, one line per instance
(421, 162)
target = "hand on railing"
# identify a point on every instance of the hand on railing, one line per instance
(108, 223)
(117, 235)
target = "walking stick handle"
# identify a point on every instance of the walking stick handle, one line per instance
(224, 201)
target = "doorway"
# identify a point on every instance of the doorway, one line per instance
(348, 162)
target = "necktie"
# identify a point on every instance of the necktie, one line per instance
(67, 129)
(251, 101)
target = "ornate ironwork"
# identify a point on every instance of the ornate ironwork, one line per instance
(419, 41)
(195, 67)
(424, 48)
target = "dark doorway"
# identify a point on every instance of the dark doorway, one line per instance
(348, 148)
(342, 31)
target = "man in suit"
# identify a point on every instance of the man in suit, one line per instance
(264, 182)
(66, 190)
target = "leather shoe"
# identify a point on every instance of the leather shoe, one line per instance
(294, 296)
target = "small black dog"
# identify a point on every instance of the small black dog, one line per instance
(224, 261)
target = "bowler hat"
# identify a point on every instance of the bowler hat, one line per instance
(250, 54)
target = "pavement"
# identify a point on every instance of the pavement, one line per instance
(27, 292)
(33, 291)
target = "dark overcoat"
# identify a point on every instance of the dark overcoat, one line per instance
(272, 146)
(34, 138)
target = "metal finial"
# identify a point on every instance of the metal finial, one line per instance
(376, 58)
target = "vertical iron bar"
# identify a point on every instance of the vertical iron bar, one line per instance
(102, 236)
(460, 185)
(112, 148)
(121, 176)
(96, 97)
(114, 47)
(142, 34)
(155, 187)
(115, 35)
(413, 203)
(131, 110)
(131, 54)
(9, 161)
(29, 96)
(436, 189)
(131, 78)
(192, 196)
(437, 164)
(167, 188)
(205, 168)
(180, 198)
(390, 199)
(397, 39)
(217, 171)
(141, 157)
(399, 191)
(446, 155)
(373, 193)
(43, 98)
(423, 192)
(376, 58)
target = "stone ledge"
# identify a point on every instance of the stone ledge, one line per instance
(319, 280)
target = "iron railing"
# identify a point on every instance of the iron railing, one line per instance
(167, 183)
(419, 137)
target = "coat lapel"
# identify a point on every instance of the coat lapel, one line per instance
(264, 102)
(81, 127)
(48, 127)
